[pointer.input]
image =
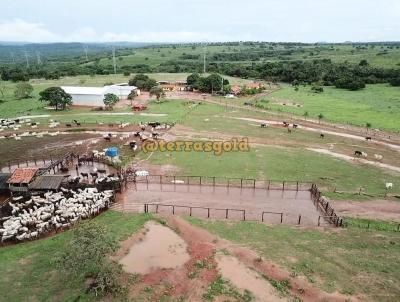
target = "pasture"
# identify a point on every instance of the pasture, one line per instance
(385, 56)
(377, 104)
(354, 262)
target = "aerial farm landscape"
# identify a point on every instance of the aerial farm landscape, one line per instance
(198, 169)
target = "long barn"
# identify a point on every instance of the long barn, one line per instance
(94, 96)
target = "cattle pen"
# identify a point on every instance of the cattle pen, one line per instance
(275, 202)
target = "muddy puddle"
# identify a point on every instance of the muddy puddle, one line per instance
(245, 278)
(161, 248)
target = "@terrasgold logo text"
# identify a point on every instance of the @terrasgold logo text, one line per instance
(217, 147)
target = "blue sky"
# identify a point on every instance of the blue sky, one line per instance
(199, 20)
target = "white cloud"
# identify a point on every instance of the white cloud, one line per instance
(20, 30)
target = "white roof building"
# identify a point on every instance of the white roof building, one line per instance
(94, 96)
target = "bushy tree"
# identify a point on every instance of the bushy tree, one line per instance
(23, 90)
(86, 255)
(143, 82)
(350, 83)
(132, 95)
(158, 92)
(56, 97)
(110, 100)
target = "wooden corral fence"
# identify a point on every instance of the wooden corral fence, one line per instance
(224, 182)
(157, 207)
(147, 209)
(323, 206)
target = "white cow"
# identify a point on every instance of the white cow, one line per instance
(378, 156)
(389, 185)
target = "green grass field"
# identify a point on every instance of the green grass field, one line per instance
(353, 261)
(154, 56)
(29, 272)
(377, 104)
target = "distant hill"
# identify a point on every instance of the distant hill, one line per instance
(59, 52)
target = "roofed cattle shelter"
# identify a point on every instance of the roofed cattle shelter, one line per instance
(47, 183)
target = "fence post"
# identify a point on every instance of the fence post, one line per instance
(214, 181)
(156, 208)
(283, 186)
(319, 218)
(244, 215)
(297, 187)
(281, 217)
(262, 217)
(173, 210)
(269, 183)
(208, 212)
(241, 183)
(299, 219)
(254, 183)
(226, 214)
(190, 211)
(200, 180)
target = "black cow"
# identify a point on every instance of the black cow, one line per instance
(295, 126)
(94, 174)
(107, 138)
(357, 153)
(132, 144)
(263, 125)
(368, 138)
(322, 135)
(68, 125)
(85, 175)
(100, 171)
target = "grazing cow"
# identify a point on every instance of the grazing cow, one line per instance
(64, 169)
(75, 121)
(132, 144)
(154, 124)
(285, 124)
(389, 185)
(368, 138)
(357, 153)
(85, 175)
(264, 125)
(101, 171)
(94, 174)
(136, 134)
(107, 138)
(111, 175)
(295, 126)
(68, 125)
(33, 124)
(78, 124)
(322, 135)
(378, 156)
(154, 135)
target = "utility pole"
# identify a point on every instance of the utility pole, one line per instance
(204, 58)
(27, 59)
(85, 49)
(114, 61)
(39, 61)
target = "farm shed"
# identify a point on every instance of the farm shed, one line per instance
(4, 177)
(20, 179)
(47, 183)
(94, 96)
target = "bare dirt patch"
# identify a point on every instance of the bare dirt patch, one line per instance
(373, 209)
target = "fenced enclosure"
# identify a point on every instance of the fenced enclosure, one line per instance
(225, 182)
(272, 202)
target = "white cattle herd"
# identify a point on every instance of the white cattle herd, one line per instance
(39, 215)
